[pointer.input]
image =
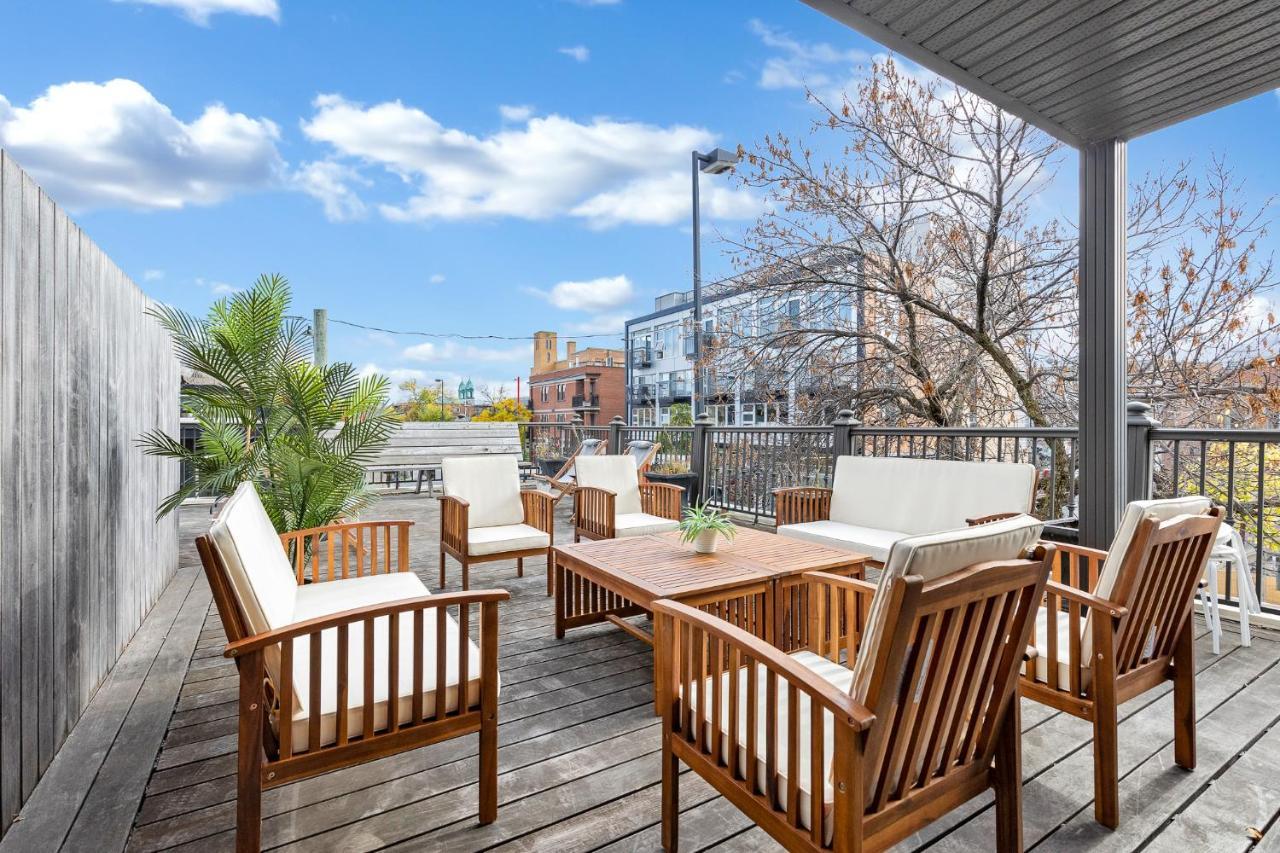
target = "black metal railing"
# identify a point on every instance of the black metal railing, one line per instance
(1238, 470)
(586, 401)
(738, 468)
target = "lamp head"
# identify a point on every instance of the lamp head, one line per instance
(718, 161)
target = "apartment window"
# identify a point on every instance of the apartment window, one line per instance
(560, 391)
(643, 416)
(544, 392)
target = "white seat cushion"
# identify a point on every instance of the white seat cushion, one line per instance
(1041, 661)
(926, 495)
(617, 474)
(642, 524)
(870, 541)
(327, 598)
(507, 537)
(490, 484)
(833, 673)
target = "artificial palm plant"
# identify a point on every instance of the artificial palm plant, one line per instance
(301, 432)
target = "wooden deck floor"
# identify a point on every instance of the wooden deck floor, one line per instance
(579, 756)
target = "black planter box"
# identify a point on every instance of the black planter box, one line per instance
(551, 467)
(688, 481)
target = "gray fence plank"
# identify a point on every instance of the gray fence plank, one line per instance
(83, 372)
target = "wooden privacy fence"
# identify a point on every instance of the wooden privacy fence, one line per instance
(83, 372)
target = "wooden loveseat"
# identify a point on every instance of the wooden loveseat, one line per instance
(300, 611)
(876, 500)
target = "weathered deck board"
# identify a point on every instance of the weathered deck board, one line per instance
(579, 756)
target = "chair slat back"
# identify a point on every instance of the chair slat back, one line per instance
(1157, 584)
(943, 682)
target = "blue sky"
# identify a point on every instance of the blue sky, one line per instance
(439, 166)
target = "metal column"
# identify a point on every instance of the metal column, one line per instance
(1101, 453)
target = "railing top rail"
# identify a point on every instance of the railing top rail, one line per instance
(972, 432)
(1246, 435)
(771, 428)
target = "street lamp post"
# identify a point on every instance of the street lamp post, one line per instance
(440, 399)
(717, 161)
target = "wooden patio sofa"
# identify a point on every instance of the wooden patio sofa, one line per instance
(486, 516)
(903, 708)
(612, 502)
(929, 495)
(326, 626)
(1119, 624)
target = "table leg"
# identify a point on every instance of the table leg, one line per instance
(558, 573)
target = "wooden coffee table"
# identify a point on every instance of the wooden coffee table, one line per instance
(753, 581)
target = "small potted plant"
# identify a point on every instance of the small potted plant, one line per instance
(676, 473)
(702, 524)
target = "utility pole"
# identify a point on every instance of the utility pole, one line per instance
(320, 337)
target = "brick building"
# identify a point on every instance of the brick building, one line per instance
(589, 382)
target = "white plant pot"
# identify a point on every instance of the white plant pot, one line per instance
(705, 542)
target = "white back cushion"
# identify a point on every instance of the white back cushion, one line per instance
(256, 563)
(617, 474)
(491, 484)
(936, 555)
(926, 495)
(1134, 513)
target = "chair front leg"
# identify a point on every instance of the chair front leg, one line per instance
(1184, 699)
(1106, 748)
(1008, 780)
(250, 756)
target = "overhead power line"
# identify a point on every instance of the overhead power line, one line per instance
(460, 336)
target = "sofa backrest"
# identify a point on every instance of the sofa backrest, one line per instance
(926, 495)
(490, 484)
(256, 565)
(618, 474)
(932, 556)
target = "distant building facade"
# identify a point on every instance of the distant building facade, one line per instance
(589, 383)
(660, 348)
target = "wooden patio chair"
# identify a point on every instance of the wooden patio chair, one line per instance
(611, 502)
(642, 453)
(486, 516)
(325, 625)
(564, 481)
(1119, 624)
(824, 757)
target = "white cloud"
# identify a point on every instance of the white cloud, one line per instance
(330, 182)
(218, 288)
(822, 67)
(436, 278)
(597, 294)
(604, 171)
(199, 11)
(515, 112)
(578, 53)
(113, 143)
(152, 275)
(601, 324)
(448, 350)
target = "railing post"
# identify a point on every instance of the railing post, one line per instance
(615, 434)
(1139, 424)
(842, 433)
(698, 456)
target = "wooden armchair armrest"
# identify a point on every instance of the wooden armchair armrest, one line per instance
(1086, 599)
(1081, 551)
(799, 504)
(593, 511)
(539, 510)
(661, 499)
(987, 519)
(360, 614)
(454, 513)
(846, 710)
(347, 549)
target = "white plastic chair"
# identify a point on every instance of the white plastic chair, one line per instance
(1228, 548)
